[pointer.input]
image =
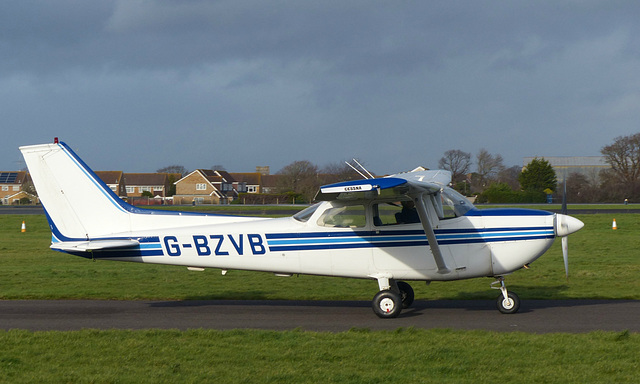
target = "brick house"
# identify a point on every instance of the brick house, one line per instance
(252, 181)
(269, 184)
(12, 187)
(16, 197)
(204, 186)
(158, 184)
(114, 180)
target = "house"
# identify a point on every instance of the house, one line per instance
(250, 181)
(204, 186)
(11, 186)
(269, 183)
(18, 196)
(158, 184)
(114, 180)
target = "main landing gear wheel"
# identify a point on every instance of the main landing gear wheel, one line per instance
(406, 294)
(508, 305)
(387, 304)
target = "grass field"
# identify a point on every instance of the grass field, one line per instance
(357, 356)
(603, 264)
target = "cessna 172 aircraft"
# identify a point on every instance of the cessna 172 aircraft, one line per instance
(409, 226)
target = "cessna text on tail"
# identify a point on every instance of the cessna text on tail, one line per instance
(408, 226)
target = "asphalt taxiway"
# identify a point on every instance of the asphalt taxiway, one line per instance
(535, 316)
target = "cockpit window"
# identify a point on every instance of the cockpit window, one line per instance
(348, 216)
(306, 213)
(450, 204)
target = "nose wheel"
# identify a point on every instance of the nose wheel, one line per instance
(508, 302)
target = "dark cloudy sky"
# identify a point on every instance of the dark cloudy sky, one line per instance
(136, 85)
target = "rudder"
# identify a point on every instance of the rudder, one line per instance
(79, 205)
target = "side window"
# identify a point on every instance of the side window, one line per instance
(395, 213)
(350, 216)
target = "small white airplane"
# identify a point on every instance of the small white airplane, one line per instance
(409, 226)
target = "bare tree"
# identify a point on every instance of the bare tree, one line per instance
(489, 166)
(457, 162)
(624, 158)
(510, 176)
(336, 172)
(300, 177)
(582, 188)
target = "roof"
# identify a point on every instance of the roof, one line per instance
(110, 177)
(270, 181)
(17, 177)
(226, 176)
(145, 178)
(252, 178)
(21, 193)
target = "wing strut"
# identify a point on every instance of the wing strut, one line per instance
(431, 236)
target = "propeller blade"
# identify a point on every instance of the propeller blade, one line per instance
(564, 199)
(565, 255)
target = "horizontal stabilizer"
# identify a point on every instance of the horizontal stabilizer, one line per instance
(95, 245)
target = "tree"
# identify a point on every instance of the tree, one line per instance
(299, 177)
(511, 176)
(337, 172)
(174, 169)
(457, 162)
(488, 166)
(537, 176)
(582, 188)
(624, 158)
(28, 187)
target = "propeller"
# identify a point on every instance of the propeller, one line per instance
(566, 225)
(565, 239)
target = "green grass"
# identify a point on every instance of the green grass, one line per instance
(603, 264)
(357, 356)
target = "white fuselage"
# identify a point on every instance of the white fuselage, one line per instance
(482, 243)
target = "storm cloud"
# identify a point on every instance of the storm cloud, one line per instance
(136, 85)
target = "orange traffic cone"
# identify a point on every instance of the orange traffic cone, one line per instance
(614, 226)
(24, 227)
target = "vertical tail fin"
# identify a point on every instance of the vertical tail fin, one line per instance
(78, 204)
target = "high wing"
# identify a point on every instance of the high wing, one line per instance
(401, 184)
(411, 184)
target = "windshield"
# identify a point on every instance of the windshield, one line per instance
(306, 213)
(454, 204)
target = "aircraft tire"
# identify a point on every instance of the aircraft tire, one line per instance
(406, 293)
(387, 304)
(508, 306)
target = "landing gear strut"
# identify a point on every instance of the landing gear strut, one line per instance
(508, 302)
